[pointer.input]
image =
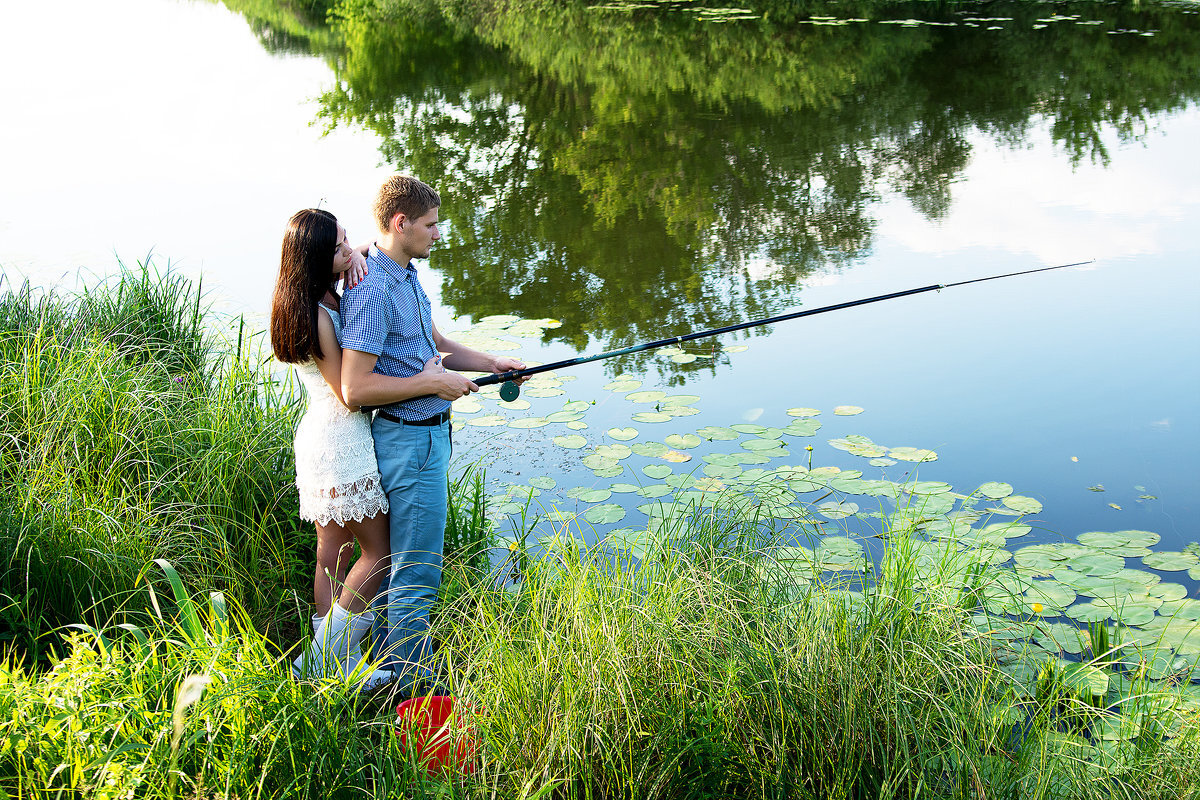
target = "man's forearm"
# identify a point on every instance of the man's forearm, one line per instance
(374, 389)
(461, 358)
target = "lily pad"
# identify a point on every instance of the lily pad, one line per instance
(802, 427)
(913, 454)
(650, 449)
(605, 514)
(847, 411)
(515, 405)
(543, 482)
(838, 510)
(680, 400)
(571, 441)
(596, 461)
(656, 471)
(623, 488)
(1022, 505)
(627, 385)
(588, 495)
(1170, 561)
(676, 457)
(645, 397)
(803, 412)
(466, 405)
(528, 422)
(622, 434)
(651, 416)
(714, 433)
(763, 445)
(683, 441)
(994, 490)
(616, 452)
(683, 358)
(490, 421)
(655, 490)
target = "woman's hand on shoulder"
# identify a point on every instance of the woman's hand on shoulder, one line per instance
(356, 271)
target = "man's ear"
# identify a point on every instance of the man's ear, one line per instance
(398, 220)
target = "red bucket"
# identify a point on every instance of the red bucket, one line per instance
(428, 725)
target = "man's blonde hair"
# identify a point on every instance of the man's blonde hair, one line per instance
(404, 194)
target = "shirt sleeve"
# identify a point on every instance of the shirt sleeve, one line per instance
(365, 322)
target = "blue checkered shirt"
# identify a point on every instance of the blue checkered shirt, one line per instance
(388, 315)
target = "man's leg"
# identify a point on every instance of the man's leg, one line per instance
(413, 461)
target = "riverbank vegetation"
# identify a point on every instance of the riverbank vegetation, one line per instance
(147, 502)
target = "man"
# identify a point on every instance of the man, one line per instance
(392, 361)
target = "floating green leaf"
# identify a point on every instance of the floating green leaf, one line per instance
(715, 433)
(838, 510)
(802, 427)
(993, 490)
(571, 441)
(913, 454)
(1171, 561)
(596, 461)
(528, 422)
(616, 452)
(623, 385)
(1022, 505)
(466, 405)
(605, 514)
(650, 449)
(490, 421)
(656, 471)
(645, 397)
(683, 441)
(762, 445)
(651, 416)
(591, 495)
(847, 411)
(623, 488)
(803, 412)
(622, 434)
(655, 490)
(543, 482)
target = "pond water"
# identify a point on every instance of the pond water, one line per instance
(641, 170)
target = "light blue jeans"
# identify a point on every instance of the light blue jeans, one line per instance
(413, 460)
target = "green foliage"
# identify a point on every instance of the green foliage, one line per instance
(131, 432)
(717, 146)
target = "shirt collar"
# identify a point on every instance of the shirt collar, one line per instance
(389, 265)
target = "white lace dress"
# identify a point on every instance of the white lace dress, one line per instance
(336, 471)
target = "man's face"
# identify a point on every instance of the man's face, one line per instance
(418, 235)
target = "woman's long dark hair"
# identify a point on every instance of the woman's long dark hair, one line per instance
(305, 274)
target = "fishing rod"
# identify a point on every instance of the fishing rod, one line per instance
(510, 391)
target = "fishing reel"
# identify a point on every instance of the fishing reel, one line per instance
(509, 391)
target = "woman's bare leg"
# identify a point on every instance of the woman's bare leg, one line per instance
(335, 547)
(362, 582)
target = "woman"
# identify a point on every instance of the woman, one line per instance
(336, 473)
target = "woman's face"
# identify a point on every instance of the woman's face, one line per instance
(341, 255)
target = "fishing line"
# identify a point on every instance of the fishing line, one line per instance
(510, 391)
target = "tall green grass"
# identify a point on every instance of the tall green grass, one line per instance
(130, 431)
(707, 675)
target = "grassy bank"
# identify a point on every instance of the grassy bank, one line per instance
(146, 500)
(131, 431)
